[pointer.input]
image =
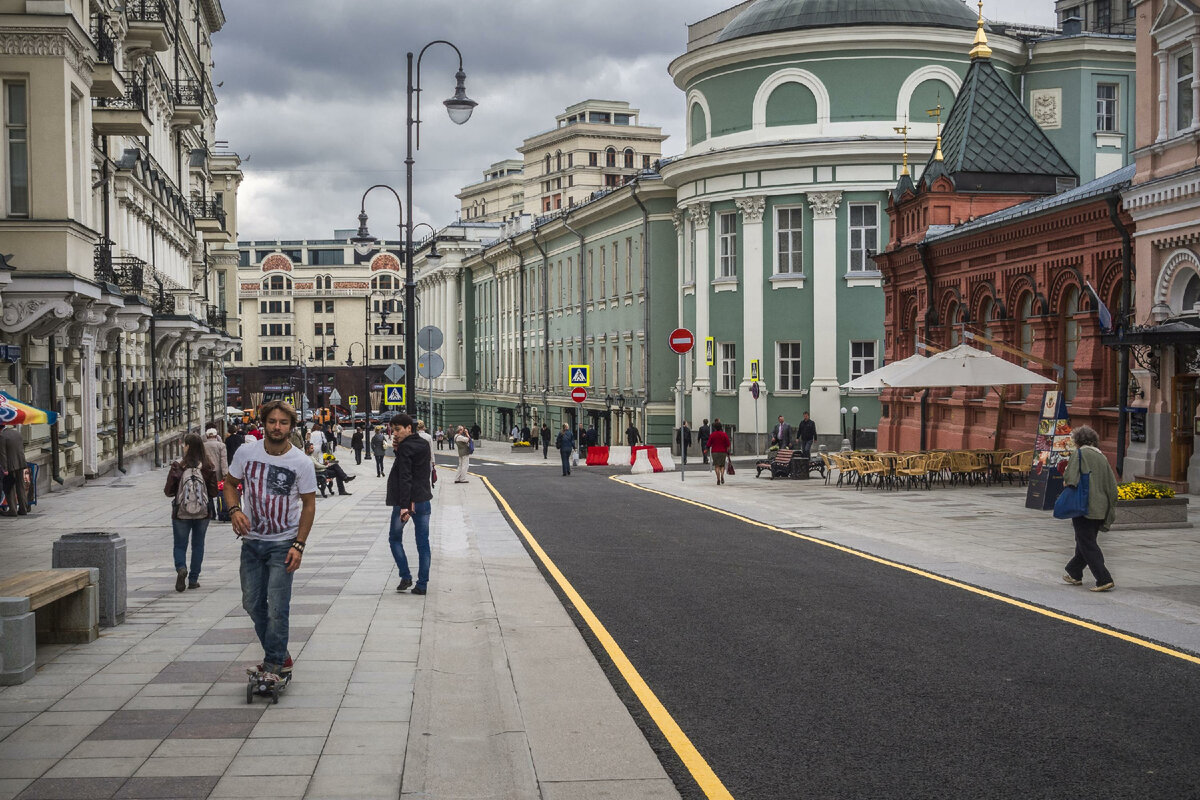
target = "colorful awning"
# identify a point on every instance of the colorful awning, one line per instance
(14, 412)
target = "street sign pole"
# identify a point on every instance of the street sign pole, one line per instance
(682, 415)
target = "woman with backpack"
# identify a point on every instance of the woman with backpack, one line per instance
(191, 481)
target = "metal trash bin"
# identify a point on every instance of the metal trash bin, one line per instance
(106, 552)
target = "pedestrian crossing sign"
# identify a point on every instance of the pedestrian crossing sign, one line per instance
(393, 394)
(579, 375)
(353, 399)
(290, 400)
(754, 370)
(710, 350)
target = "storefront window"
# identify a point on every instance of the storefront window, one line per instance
(1070, 342)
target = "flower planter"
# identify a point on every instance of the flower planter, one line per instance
(523, 448)
(1152, 513)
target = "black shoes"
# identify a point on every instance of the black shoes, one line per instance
(404, 584)
(347, 494)
(418, 590)
(181, 579)
(349, 478)
(194, 585)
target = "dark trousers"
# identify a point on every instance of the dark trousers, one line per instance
(566, 459)
(336, 472)
(378, 464)
(1087, 551)
(545, 448)
(806, 447)
(358, 455)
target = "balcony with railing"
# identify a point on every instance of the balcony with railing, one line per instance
(102, 262)
(189, 102)
(131, 274)
(150, 25)
(218, 319)
(210, 219)
(124, 115)
(106, 80)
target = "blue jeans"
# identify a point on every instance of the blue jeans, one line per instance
(267, 597)
(420, 518)
(566, 459)
(195, 529)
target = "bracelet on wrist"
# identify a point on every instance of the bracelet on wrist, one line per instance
(298, 545)
(234, 509)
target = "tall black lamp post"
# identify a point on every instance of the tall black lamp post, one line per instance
(459, 107)
(366, 378)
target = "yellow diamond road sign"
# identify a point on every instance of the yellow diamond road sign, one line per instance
(393, 394)
(579, 375)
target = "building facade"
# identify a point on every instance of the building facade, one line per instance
(117, 214)
(499, 197)
(1163, 201)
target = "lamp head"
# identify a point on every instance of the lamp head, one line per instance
(843, 410)
(363, 241)
(460, 106)
(433, 256)
(854, 410)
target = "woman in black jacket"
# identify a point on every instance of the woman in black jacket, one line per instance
(356, 443)
(409, 493)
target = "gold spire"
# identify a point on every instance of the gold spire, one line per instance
(937, 112)
(904, 130)
(981, 49)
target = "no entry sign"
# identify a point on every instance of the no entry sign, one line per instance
(579, 394)
(681, 340)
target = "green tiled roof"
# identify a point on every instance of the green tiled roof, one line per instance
(770, 16)
(989, 132)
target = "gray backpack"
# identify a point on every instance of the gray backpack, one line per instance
(191, 500)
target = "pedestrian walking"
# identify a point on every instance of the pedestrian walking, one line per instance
(515, 433)
(807, 431)
(704, 433)
(566, 448)
(192, 482)
(335, 437)
(632, 435)
(409, 492)
(464, 443)
(317, 438)
(718, 445)
(356, 444)
(440, 436)
(233, 441)
(545, 440)
(525, 433)
(217, 455)
(377, 444)
(281, 500)
(12, 451)
(475, 432)
(782, 434)
(1101, 508)
(683, 437)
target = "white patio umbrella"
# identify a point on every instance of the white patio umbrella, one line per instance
(877, 379)
(231, 411)
(963, 366)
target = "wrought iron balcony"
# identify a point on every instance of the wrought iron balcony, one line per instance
(130, 274)
(103, 262)
(134, 98)
(164, 306)
(148, 11)
(189, 92)
(105, 40)
(203, 209)
(217, 318)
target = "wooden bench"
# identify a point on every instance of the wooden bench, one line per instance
(780, 465)
(67, 602)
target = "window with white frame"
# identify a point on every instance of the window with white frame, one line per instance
(862, 358)
(1106, 107)
(789, 241)
(864, 236)
(1185, 69)
(729, 374)
(727, 222)
(16, 148)
(788, 366)
(689, 273)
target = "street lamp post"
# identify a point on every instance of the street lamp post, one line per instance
(459, 107)
(366, 375)
(854, 428)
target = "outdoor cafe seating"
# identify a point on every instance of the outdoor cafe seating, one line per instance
(887, 470)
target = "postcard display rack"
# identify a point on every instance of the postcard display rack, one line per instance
(1050, 452)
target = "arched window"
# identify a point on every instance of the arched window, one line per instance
(987, 313)
(547, 163)
(791, 104)
(699, 124)
(277, 283)
(628, 158)
(1191, 294)
(953, 319)
(1070, 307)
(610, 157)
(1024, 313)
(558, 160)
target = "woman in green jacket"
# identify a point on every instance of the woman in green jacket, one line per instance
(1101, 510)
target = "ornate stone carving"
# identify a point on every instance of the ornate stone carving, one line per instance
(49, 43)
(825, 204)
(1045, 105)
(677, 218)
(751, 207)
(277, 261)
(699, 214)
(25, 315)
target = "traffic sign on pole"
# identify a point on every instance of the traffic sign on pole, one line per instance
(353, 399)
(579, 394)
(681, 340)
(710, 351)
(579, 375)
(393, 394)
(394, 373)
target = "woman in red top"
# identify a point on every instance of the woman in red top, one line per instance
(718, 444)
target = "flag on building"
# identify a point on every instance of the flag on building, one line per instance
(1106, 322)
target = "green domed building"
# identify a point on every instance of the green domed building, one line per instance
(799, 114)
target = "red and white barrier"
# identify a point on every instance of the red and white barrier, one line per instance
(651, 459)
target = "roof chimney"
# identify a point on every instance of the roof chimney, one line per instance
(1072, 26)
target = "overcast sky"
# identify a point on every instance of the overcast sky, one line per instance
(314, 93)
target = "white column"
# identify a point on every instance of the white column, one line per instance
(702, 385)
(824, 392)
(1164, 95)
(679, 218)
(752, 314)
(454, 377)
(89, 430)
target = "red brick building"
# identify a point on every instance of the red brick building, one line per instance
(996, 240)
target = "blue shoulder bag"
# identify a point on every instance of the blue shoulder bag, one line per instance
(1073, 501)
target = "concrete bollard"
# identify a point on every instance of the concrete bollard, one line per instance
(106, 552)
(18, 641)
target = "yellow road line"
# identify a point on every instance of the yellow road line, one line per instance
(1045, 612)
(703, 774)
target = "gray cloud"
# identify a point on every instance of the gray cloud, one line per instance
(316, 96)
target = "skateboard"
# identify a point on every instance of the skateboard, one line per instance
(257, 684)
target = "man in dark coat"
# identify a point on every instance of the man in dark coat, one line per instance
(781, 434)
(233, 441)
(409, 492)
(704, 432)
(684, 438)
(13, 452)
(566, 445)
(545, 440)
(632, 436)
(807, 431)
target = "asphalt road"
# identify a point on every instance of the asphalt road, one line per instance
(801, 672)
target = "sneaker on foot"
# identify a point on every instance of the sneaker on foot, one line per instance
(1104, 587)
(404, 584)
(181, 579)
(418, 590)
(1072, 581)
(194, 585)
(286, 669)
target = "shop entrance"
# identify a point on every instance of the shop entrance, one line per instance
(1183, 424)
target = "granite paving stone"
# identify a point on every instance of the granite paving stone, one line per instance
(181, 787)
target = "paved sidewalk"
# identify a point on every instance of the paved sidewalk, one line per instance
(483, 688)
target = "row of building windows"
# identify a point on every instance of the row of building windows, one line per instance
(788, 361)
(316, 258)
(628, 160)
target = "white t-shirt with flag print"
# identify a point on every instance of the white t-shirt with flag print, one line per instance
(271, 489)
